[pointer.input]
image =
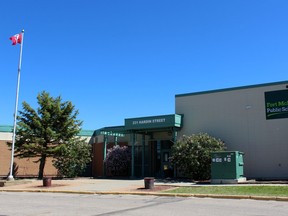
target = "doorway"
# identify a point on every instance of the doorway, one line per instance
(160, 158)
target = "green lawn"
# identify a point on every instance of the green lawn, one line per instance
(279, 191)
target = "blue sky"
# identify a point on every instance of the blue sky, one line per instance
(122, 59)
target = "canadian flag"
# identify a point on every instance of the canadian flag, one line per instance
(16, 39)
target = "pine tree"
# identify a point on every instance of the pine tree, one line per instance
(42, 132)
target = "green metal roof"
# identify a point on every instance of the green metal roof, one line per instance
(118, 131)
(6, 128)
(232, 89)
(149, 123)
(87, 133)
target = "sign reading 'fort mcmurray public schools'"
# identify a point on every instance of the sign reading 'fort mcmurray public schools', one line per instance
(276, 104)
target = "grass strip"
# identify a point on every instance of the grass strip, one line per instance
(279, 191)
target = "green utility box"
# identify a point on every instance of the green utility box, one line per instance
(227, 167)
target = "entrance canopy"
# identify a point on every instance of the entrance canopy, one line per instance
(151, 150)
(152, 123)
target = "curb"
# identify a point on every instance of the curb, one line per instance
(262, 198)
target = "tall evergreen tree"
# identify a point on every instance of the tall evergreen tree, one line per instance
(42, 132)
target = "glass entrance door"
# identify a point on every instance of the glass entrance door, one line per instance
(160, 154)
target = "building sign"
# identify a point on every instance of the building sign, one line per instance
(149, 121)
(111, 133)
(118, 131)
(153, 122)
(276, 104)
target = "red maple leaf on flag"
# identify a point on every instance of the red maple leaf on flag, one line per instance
(16, 39)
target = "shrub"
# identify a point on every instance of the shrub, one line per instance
(73, 158)
(117, 161)
(192, 155)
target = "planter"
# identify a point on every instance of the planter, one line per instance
(47, 181)
(149, 182)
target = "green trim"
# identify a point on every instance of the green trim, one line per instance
(87, 133)
(233, 89)
(118, 131)
(9, 129)
(150, 123)
(6, 128)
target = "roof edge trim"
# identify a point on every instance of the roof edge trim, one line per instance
(232, 89)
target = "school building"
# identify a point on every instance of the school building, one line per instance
(250, 119)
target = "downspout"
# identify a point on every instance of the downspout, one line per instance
(104, 154)
(143, 155)
(133, 155)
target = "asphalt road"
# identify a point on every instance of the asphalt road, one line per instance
(26, 203)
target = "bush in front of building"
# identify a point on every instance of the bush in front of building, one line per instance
(192, 155)
(72, 159)
(117, 161)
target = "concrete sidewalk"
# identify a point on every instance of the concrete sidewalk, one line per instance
(118, 186)
(89, 185)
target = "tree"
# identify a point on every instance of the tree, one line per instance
(192, 155)
(72, 159)
(43, 132)
(118, 160)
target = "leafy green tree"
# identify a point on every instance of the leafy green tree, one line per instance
(43, 132)
(192, 155)
(72, 159)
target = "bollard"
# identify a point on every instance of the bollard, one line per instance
(149, 182)
(47, 182)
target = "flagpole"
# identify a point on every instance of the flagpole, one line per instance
(10, 177)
